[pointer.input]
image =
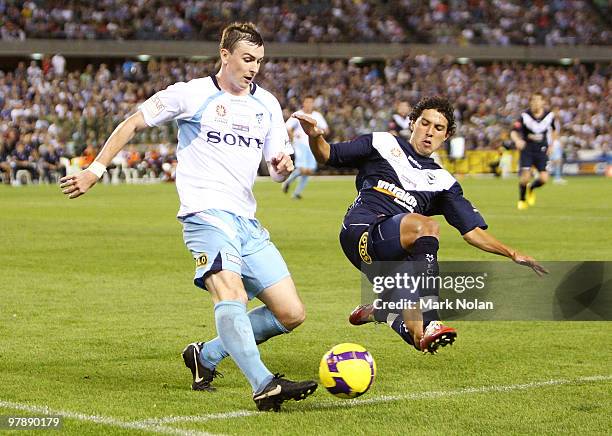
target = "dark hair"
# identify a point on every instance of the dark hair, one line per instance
(442, 105)
(236, 32)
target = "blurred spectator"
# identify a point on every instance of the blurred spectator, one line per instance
(51, 166)
(81, 109)
(88, 156)
(24, 158)
(5, 166)
(400, 120)
(499, 22)
(59, 64)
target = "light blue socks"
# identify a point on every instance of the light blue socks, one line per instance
(301, 185)
(239, 333)
(296, 173)
(265, 326)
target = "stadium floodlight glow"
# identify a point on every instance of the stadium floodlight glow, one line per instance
(463, 60)
(144, 57)
(356, 60)
(565, 61)
(36, 56)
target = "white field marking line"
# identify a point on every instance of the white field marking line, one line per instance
(315, 177)
(385, 399)
(103, 420)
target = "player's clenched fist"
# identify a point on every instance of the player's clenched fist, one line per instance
(78, 184)
(282, 164)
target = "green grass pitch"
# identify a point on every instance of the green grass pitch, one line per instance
(97, 302)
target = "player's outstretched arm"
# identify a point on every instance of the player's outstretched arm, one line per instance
(485, 241)
(319, 146)
(78, 184)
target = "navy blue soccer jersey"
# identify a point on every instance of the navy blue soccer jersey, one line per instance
(394, 179)
(535, 131)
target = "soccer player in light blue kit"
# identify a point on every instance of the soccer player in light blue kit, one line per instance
(305, 163)
(225, 124)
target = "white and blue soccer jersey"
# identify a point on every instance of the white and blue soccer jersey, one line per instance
(299, 136)
(303, 155)
(220, 142)
(393, 179)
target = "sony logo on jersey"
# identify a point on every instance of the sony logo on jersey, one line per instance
(401, 197)
(215, 137)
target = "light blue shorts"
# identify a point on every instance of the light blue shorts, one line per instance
(220, 240)
(556, 154)
(304, 157)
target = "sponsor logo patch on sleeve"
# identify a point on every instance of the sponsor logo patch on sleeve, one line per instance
(154, 106)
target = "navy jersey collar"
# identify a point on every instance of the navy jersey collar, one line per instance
(213, 77)
(408, 146)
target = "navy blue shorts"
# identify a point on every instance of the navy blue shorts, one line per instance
(372, 243)
(366, 237)
(531, 158)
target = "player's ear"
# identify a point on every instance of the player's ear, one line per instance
(224, 53)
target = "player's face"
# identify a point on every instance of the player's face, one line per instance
(536, 103)
(308, 105)
(429, 132)
(242, 65)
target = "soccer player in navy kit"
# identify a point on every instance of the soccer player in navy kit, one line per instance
(400, 187)
(532, 134)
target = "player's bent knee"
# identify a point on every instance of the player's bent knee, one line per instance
(525, 177)
(415, 226)
(430, 228)
(293, 318)
(421, 225)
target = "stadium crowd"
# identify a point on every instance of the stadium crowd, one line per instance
(47, 115)
(498, 22)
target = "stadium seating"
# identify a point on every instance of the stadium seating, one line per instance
(39, 107)
(503, 22)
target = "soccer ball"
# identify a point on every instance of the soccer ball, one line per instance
(347, 370)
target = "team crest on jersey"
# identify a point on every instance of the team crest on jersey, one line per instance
(363, 249)
(201, 260)
(431, 178)
(396, 152)
(221, 111)
(259, 117)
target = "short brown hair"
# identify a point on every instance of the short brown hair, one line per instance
(236, 32)
(442, 105)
